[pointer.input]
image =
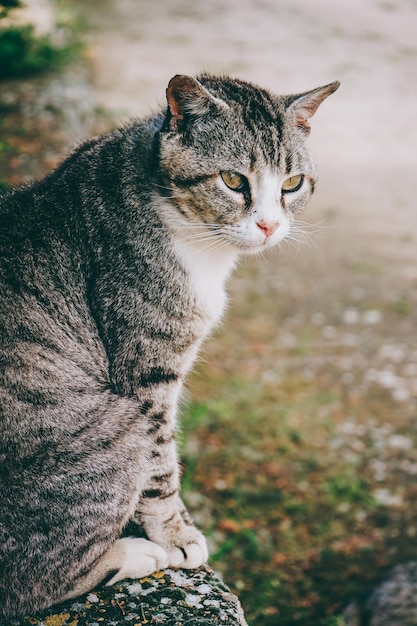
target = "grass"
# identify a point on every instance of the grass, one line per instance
(295, 526)
(287, 513)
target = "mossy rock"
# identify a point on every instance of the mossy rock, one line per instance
(171, 598)
(392, 603)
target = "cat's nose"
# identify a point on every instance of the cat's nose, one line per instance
(267, 229)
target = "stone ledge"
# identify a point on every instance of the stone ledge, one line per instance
(170, 598)
(391, 603)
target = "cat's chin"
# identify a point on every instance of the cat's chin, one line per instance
(254, 250)
(249, 248)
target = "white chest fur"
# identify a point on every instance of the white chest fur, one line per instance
(208, 271)
(207, 261)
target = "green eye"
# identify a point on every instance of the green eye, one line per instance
(293, 183)
(233, 180)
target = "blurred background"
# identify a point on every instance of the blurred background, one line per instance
(298, 428)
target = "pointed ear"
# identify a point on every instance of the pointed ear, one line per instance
(187, 98)
(306, 104)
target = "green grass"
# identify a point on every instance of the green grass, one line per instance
(296, 530)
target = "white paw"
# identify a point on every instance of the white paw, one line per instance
(190, 555)
(138, 558)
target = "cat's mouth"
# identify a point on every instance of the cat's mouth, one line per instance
(258, 236)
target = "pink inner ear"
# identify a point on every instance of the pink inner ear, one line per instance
(307, 104)
(178, 86)
(306, 110)
(173, 102)
(301, 121)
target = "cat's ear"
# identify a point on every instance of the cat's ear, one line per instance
(187, 98)
(304, 105)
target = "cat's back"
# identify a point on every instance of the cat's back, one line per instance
(48, 337)
(44, 225)
(38, 265)
(56, 236)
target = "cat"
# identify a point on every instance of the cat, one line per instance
(112, 272)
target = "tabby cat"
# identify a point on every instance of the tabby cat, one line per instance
(112, 272)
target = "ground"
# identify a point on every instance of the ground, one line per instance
(300, 433)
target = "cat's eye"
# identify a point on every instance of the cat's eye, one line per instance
(233, 180)
(293, 183)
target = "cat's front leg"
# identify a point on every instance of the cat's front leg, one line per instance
(169, 524)
(160, 510)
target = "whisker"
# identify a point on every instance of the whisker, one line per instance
(196, 225)
(291, 244)
(162, 187)
(308, 229)
(202, 239)
(301, 233)
(317, 226)
(214, 245)
(202, 234)
(294, 243)
(192, 225)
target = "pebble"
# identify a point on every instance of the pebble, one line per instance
(372, 316)
(400, 442)
(329, 332)
(386, 498)
(351, 316)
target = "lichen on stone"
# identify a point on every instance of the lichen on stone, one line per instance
(171, 597)
(57, 620)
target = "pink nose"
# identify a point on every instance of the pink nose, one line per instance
(267, 229)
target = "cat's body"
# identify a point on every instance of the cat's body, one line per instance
(112, 272)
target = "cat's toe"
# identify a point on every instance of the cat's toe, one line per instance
(176, 557)
(197, 554)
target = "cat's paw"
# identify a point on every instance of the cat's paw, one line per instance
(175, 532)
(184, 543)
(189, 554)
(138, 558)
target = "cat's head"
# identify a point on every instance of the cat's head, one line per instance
(233, 158)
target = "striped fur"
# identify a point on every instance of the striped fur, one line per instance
(112, 272)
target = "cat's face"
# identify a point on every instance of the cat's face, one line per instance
(234, 161)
